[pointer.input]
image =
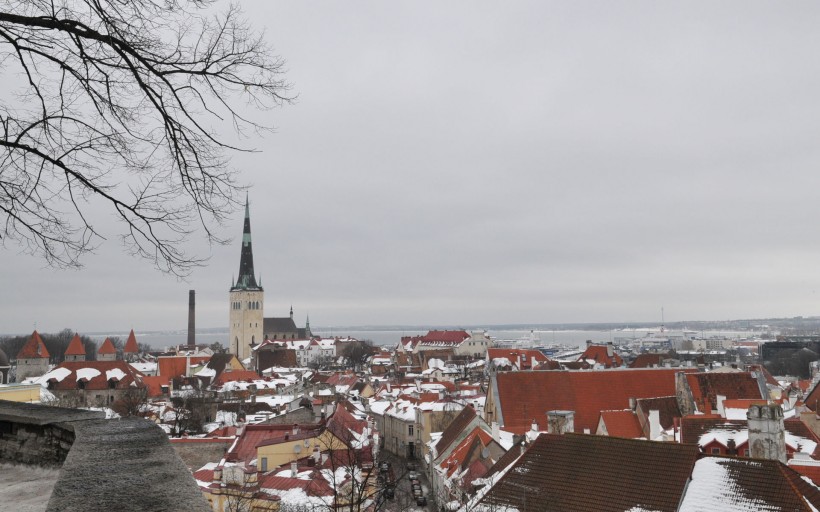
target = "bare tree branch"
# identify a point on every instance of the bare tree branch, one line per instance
(114, 105)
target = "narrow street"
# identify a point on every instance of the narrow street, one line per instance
(404, 499)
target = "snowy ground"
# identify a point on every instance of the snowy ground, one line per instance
(27, 487)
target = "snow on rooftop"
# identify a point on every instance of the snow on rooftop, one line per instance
(711, 489)
(114, 373)
(206, 372)
(87, 373)
(57, 374)
(148, 368)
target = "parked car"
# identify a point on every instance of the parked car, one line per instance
(421, 501)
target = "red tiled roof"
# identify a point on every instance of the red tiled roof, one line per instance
(667, 406)
(649, 360)
(315, 486)
(622, 424)
(244, 449)
(445, 336)
(706, 386)
(458, 456)
(524, 396)
(154, 384)
(131, 346)
(120, 372)
(176, 366)
(810, 469)
(766, 375)
(600, 354)
(76, 347)
(455, 428)
(235, 376)
(527, 356)
(34, 348)
(595, 474)
(107, 347)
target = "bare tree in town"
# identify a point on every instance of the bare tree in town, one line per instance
(116, 108)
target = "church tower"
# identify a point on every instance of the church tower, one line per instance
(246, 300)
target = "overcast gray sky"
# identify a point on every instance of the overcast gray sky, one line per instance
(505, 162)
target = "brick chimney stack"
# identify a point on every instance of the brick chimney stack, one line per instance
(191, 318)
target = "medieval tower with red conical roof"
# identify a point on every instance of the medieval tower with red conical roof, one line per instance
(32, 360)
(75, 350)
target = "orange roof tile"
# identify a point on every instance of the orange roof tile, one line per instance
(235, 376)
(524, 396)
(176, 366)
(107, 347)
(622, 424)
(459, 454)
(76, 347)
(34, 348)
(154, 384)
(600, 354)
(131, 346)
(706, 386)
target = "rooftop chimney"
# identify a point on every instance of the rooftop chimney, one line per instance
(293, 469)
(654, 424)
(560, 422)
(191, 318)
(496, 431)
(767, 437)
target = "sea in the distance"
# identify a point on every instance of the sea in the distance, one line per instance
(390, 337)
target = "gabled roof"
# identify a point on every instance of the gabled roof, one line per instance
(667, 406)
(622, 423)
(96, 375)
(154, 384)
(600, 355)
(455, 428)
(595, 474)
(34, 348)
(107, 347)
(131, 346)
(75, 347)
(649, 360)
(176, 366)
(722, 484)
(445, 336)
(276, 324)
(527, 396)
(476, 439)
(527, 357)
(701, 430)
(707, 386)
(234, 376)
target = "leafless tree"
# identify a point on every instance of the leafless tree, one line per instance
(115, 107)
(132, 401)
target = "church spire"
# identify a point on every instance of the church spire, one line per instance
(247, 279)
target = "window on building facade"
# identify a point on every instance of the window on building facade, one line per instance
(264, 463)
(410, 430)
(715, 451)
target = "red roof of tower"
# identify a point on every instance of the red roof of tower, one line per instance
(34, 348)
(107, 347)
(76, 347)
(131, 344)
